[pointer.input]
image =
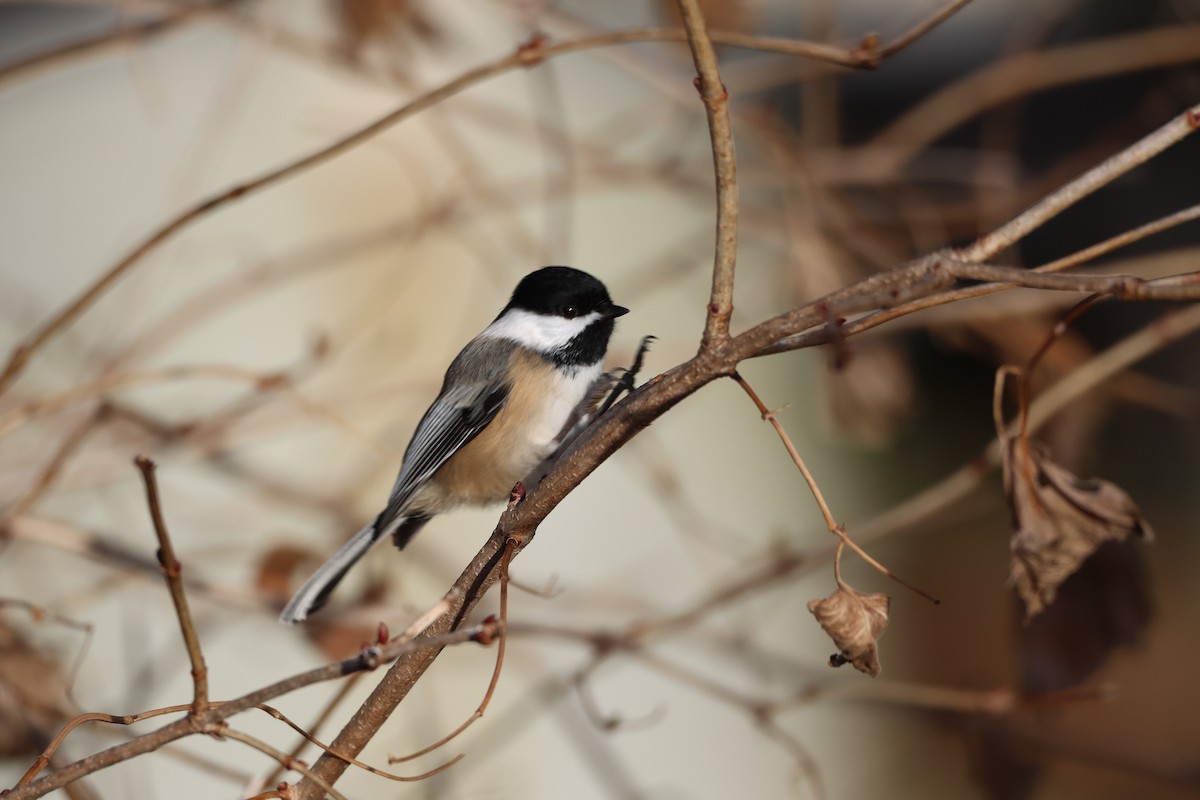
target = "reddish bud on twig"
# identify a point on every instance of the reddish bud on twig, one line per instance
(382, 635)
(488, 630)
(530, 53)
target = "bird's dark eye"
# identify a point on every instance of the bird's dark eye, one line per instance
(570, 312)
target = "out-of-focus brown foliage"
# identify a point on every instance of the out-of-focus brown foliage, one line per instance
(721, 15)
(275, 580)
(33, 694)
(874, 395)
(367, 21)
(335, 636)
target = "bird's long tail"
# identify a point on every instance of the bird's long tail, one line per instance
(316, 589)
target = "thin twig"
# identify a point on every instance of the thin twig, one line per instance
(173, 571)
(1121, 240)
(1136, 154)
(1025, 373)
(113, 719)
(125, 34)
(921, 28)
(1183, 286)
(837, 565)
(716, 108)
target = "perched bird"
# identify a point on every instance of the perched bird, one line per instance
(504, 403)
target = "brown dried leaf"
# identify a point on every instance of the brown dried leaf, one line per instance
(854, 621)
(1059, 520)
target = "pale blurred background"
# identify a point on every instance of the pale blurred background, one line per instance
(274, 357)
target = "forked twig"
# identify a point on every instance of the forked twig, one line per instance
(114, 719)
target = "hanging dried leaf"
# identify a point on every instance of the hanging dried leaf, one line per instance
(854, 621)
(1059, 520)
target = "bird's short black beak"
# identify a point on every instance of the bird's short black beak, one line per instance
(610, 310)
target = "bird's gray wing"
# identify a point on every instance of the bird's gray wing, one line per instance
(474, 391)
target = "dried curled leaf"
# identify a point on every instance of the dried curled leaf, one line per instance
(1059, 520)
(854, 621)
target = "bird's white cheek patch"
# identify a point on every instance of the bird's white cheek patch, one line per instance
(540, 332)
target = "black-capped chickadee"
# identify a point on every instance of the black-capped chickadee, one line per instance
(504, 402)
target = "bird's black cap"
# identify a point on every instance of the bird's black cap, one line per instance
(563, 291)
